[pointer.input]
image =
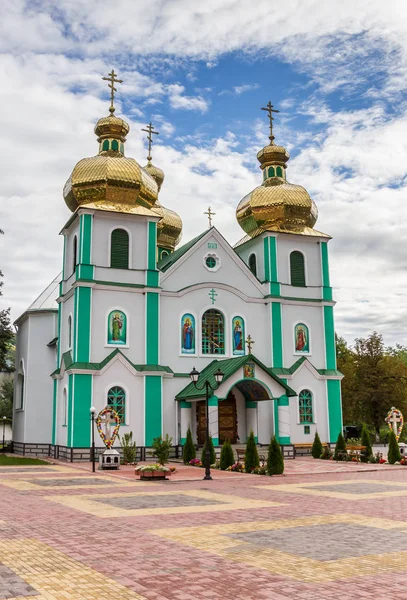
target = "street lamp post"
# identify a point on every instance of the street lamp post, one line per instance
(194, 375)
(92, 416)
(4, 432)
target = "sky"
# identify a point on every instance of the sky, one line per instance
(337, 71)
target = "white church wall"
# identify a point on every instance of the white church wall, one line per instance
(170, 408)
(256, 247)
(62, 412)
(304, 380)
(21, 364)
(310, 248)
(241, 416)
(66, 311)
(265, 420)
(69, 249)
(312, 317)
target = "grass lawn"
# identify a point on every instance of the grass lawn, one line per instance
(14, 460)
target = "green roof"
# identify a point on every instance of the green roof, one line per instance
(228, 367)
(291, 370)
(172, 258)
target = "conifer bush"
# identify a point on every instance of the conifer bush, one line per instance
(275, 460)
(316, 449)
(340, 448)
(211, 450)
(393, 454)
(227, 458)
(251, 456)
(365, 441)
(189, 451)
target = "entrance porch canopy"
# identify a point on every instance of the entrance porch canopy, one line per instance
(256, 381)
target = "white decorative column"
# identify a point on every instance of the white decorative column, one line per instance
(185, 420)
(284, 432)
(214, 420)
(251, 419)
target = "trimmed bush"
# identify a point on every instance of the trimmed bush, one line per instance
(275, 460)
(393, 454)
(211, 450)
(129, 448)
(340, 448)
(161, 448)
(227, 458)
(316, 450)
(365, 441)
(251, 456)
(189, 451)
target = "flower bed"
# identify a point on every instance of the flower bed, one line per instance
(154, 471)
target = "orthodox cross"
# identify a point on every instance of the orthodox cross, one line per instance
(394, 419)
(106, 421)
(150, 130)
(210, 215)
(270, 110)
(212, 295)
(112, 78)
(249, 343)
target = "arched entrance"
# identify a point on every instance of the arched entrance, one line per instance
(228, 419)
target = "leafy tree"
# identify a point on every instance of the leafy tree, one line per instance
(340, 447)
(189, 451)
(365, 441)
(211, 452)
(129, 447)
(346, 364)
(316, 449)
(251, 456)
(275, 460)
(161, 448)
(227, 458)
(393, 454)
(6, 332)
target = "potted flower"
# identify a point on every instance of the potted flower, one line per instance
(161, 450)
(154, 471)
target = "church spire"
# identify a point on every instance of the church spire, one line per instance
(112, 78)
(270, 110)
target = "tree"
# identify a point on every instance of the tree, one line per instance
(275, 460)
(129, 448)
(251, 456)
(189, 451)
(6, 332)
(365, 441)
(393, 455)
(346, 364)
(340, 448)
(227, 458)
(316, 449)
(161, 448)
(211, 451)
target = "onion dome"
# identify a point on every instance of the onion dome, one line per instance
(276, 205)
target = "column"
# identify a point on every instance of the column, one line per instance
(251, 419)
(283, 420)
(214, 419)
(153, 408)
(185, 420)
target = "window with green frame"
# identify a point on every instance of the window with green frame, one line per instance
(116, 398)
(119, 249)
(305, 407)
(213, 332)
(271, 172)
(279, 172)
(297, 269)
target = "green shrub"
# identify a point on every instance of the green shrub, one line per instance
(365, 441)
(340, 448)
(189, 451)
(227, 458)
(275, 460)
(316, 450)
(251, 456)
(384, 434)
(211, 451)
(393, 454)
(326, 453)
(129, 448)
(161, 448)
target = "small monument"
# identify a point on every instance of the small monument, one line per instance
(108, 418)
(395, 421)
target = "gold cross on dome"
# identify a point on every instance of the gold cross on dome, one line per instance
(150, 130)
(210, 215)
(112, 78)
(270, 110)
(249, 343)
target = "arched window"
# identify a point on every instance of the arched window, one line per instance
(115, 145)
(271, 172)
(164, 253)
(301, 335)
(279, 172)
(297, 269)
(116, 398)
(119, 249)
(117, 328)
(69, 331)
(213, 332)
(74, 253)
(238, 336)
(65, 408)
(105, 145)
(305, 407)
(253, 264)
(20, 387)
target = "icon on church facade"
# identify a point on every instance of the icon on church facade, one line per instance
(248, 370)
(188, 334)
(238, 335)
(117, 328)
(301, 335)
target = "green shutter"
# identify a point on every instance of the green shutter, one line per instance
(279, 172)
(119, 250)
(115, 145)
(297, 269)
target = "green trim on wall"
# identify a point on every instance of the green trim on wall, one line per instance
(274, 283)
(85, 272)
(334, 408)
(213, 401)
(215, 441)
(277, 339)
(152, 278)
(283, 401)
(284, 440)
(54, 411)
(70, 397)
(266, 251)
(64, 258)
(325, 264)
(276, 427)
(185, 404)
(153, 408)
(82, 321)
(152, 246)
(81, 410)
(182, 441)
(250, 404)
(330, 350)
(85, 239)
(152, 327)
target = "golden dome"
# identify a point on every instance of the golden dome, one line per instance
(169, 229)
(156, 173)
(111, 126)
(273, 154)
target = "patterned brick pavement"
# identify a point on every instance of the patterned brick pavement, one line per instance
(318, 533)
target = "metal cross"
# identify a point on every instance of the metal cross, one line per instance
(249, 343)
(112, 78)
(149, 129)
(270, 110)
(212, 295)
(210, 215)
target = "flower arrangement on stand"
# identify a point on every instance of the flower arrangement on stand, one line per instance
(154, 471)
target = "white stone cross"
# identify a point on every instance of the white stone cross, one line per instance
(394, 419)
(106, 421)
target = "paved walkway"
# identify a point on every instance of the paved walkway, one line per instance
(322, 531)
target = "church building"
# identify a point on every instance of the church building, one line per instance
(133, 312)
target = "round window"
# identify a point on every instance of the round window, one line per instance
(210, 262)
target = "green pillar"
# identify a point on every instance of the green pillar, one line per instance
(153, 408)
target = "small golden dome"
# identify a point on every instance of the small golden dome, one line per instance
(272, 154)
(169, 229)
(156, 173)
(111, 127)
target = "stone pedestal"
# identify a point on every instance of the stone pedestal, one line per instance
(110, 459)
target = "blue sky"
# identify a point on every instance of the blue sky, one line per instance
(336, 71)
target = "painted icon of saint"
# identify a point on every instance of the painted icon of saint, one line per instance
(117, 324)
(301, 339)
(188, 335)
(238, 336)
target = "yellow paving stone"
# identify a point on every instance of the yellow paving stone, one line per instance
(308, 489)
(56, 576)
(88, 503)
(26, 484)
(212, 538)
(46, 470)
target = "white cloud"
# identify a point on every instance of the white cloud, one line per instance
(178, 100)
